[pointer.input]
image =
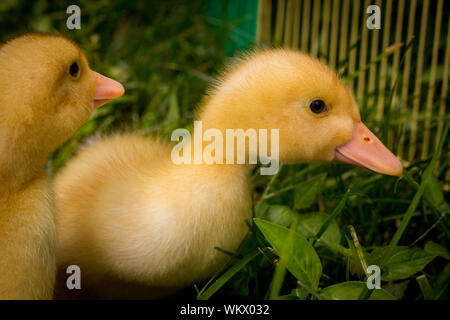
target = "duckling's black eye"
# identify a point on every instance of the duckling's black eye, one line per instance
(318, 106)
(74, 70)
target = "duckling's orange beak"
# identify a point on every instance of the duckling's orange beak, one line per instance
(106, 89)
(366, 150)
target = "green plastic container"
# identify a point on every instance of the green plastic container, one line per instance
(237, 19)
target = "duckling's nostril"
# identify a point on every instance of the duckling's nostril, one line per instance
(367, 139)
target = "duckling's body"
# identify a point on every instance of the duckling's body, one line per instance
(159, 208)
(47, 91)
(28, 236)
(129, 213)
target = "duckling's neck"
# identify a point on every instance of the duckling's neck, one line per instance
(19, 167)
(216, 198)
(226, 123)
(215, 143)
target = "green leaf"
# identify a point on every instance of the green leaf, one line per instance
(398, 263)
(304, 262)
(433, 191)
(351, 290)
(281, 215)
(300, 293)
(436, 249)
(280, 270)
(310, 224)
(306, 192)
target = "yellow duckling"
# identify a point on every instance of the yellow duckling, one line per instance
(129, 213)
(47, 91)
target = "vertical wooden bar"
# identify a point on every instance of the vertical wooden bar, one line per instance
(334, 33)
(430, 95)
(444, 90)
(325, 30)
(383, 71)
(356, 14)
(396, 63)
(296, 24)
(374, 66)
(406, 72)
(263, 28)
(279, 22)
(344, 31)
(288, 24)
(315, 28)
(305, 24)
(363, 58)
(418, 81)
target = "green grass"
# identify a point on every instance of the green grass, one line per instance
(301, 245)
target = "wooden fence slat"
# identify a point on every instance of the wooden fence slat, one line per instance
(288, 23)
(418, 82)
(315, 28)
(263, 27)
(363, 59)
(296, 24)
(305, 24)
(344, 30)
(373, 67)
(383, 69)
(431, 83)
(279, 22)
(396, 65)
(444, 90)
(334, 34)
(406, 72)
(325, 31)
(353, 38)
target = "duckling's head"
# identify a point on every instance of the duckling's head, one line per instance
(315, 112)
(47, 91)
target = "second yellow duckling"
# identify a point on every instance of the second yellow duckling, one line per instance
(129, 213)
(47, 91)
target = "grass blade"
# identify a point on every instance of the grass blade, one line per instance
(220, 282)
(415, 202)
(425, 287)
(333, 215)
